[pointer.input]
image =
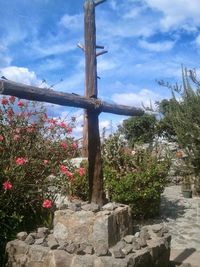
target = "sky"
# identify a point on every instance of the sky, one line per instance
(147, 40)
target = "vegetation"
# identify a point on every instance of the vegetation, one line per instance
(183, 113)
(33, 148)
(135, 178)
(139, 129)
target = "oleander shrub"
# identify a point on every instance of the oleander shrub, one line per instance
(136, 178)
(33, 149)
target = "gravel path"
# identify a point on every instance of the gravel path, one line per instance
(182, 216)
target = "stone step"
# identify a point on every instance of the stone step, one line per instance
(187, 257)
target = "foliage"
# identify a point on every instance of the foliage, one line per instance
(139, 129)
(164, 127)
(184, 115)
(33, 148)
(136, 178)
(80, 185)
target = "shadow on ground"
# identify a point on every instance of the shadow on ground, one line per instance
(171, 209)
(184, 255)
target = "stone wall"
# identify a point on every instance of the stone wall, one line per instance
(84, 236)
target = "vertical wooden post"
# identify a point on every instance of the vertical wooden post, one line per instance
(96, 193)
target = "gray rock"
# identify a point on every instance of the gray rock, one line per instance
(30, 240)
(101, 250)
(89, 250)
(74, 206)
(39, 241)
(157, 228)
(72, 248)
(62, 206)
(43, 230)
(127, 249)
(136, 245)
(91, 207)
(118, 253)
(120, 245)
(137, 234)
(52, 242)
(129, 239)
(110, 206)
(22, 236)
(62, 247)
(145, 234)
(142, 242)
(106, 212)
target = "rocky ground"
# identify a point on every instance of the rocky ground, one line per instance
(182, 217)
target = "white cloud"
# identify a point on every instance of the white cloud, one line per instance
(197, 41)
(104, 124)
(113, 4)
(156, 47)
(73, 83)
(21, 75)
(72, 22)
(43, 50)
(144, 97)
(179, 14)
(107, 64)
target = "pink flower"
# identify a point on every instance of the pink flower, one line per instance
(1, 138)
(69, 130)
(81, 172)
(52, 121)
(45, 161)
(21, 161)
(4, 101)
(63, 169)
(20, 104)
(47, 204)
(64, 145)
(74, 145)
(51, 127)
(17, 130)
(12, 99)
(69, 174)
(16, 137)
(63, 125)
(7, 185)
(30, 130)
(10, 113)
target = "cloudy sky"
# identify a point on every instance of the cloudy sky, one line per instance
(147, 40)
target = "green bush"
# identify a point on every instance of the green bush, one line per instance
(139, 181)
(183, 114)
(33, 149)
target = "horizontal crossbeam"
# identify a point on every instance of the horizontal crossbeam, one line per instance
(47, 95)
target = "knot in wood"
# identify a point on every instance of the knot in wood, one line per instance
(98, 104)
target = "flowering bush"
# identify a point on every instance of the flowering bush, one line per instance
(136, 178)
(33, 149)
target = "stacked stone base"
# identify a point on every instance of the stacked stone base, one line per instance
(84, 236)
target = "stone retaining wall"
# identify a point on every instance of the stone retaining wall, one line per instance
(115, 245)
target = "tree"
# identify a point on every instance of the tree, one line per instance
(184, 115)
(139, 129)
(164, 127)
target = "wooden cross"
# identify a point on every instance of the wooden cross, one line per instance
(89, 102)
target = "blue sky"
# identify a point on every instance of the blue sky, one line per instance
(146, 40)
